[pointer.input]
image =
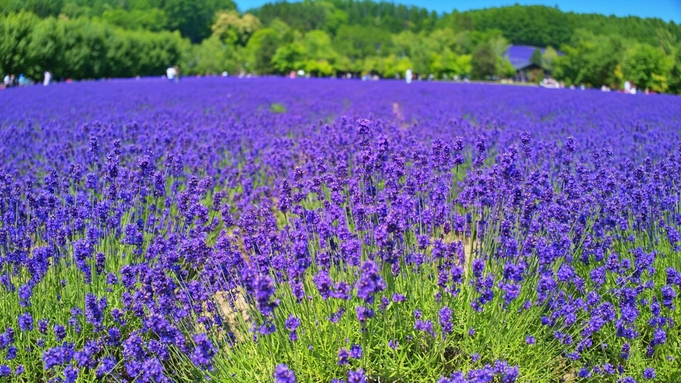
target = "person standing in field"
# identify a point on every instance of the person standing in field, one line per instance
(408, 76)
(177, 73)
(170, 73)
(48, 78)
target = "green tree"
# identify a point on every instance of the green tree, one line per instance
(548, 58)
(234, 29)
(647, 67)
(483, 62)
(421, 49)
(449, 63)
(123, 54)
(497, 42)
(193, 18)
(394, 65)
(505, 69)
(335, 19)
(289, 57)
(85, 47)
(46, 48)
(311, 52)
(73, 10)
(358, 42)
(531, 25)
(264, 55)
(650, 31)
(15, 41)
(302, 16)
(281, 27)
(318, 46)
(152, 19)
(94, 38)
(401, 43)
(536, 58)
(264, 44)
(462, 43)
(213, 56)
(41, 8)
(675, 72)
(591, 60)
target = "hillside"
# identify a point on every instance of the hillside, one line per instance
(103, 38)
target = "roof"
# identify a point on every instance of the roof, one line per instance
(519, 55)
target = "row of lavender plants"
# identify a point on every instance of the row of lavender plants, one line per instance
(356, 232)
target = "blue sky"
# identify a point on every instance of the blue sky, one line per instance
(669, 10)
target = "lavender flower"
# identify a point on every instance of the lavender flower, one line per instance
(292, 324)
(446, 320)
(343, 356)
(283, 375)
(355, 351)
(370, 282)
(25, 322)
(356, 376)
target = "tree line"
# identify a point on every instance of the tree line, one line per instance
(82, 39)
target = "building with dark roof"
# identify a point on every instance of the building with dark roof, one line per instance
(519, 56)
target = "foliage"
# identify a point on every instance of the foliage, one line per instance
(213, 56)
(505, 69)
(359, 42)
(277, 108)
(15, 41)
(153, 19)
(234, 29)
(548, 58)
(527, 25)
(83, 48)
(591, 60)
(264, 44)
(358, 37)
(483, 62)
(536, 57)
(42, 8)
(647, 67)
(675, 72)
(290, 57)
(302, 16)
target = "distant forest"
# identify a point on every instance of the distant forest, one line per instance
(88, 39)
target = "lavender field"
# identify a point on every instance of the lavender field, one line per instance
(275, 230)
